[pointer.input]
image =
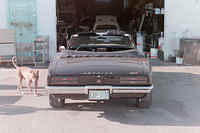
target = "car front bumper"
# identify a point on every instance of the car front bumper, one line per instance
(85, 89)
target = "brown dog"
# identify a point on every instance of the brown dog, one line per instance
(28, 74)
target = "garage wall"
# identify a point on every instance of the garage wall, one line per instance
(47, 22)
(181, 20)
(46, 19)
(3, 14)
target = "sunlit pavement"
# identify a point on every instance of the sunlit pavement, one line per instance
(176, 107)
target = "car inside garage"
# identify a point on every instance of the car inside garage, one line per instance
(140, 18)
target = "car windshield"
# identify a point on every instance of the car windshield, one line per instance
(99, 43)
(107, 27)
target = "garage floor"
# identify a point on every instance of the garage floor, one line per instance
(176, 107)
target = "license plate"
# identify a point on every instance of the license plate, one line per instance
(99, 94)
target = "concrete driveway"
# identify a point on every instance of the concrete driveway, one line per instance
(176, 107)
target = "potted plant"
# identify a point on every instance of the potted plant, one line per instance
(179, 57)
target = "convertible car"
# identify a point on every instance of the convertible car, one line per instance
(100, 67)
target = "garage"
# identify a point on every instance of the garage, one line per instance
(99, 76)
(162, 18)
(139, 18)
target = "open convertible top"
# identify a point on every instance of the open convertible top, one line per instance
(77, 54)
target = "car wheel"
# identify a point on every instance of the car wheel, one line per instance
(56, 101)
(144, 102)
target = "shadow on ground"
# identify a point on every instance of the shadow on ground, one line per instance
(176, 99)
(14, 87)
(175, 103)
(8, 87)
(6, 100)
(16, 110)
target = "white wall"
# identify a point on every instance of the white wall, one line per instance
(46, 16)
(182, 19)
(3, 14)
(46, 19)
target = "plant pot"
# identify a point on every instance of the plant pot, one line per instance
(179, 60)
(154, 53)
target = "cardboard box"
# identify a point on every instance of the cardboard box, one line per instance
(7, 36)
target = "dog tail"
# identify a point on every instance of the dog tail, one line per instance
(14, 61)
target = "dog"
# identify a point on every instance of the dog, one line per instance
(28, 74)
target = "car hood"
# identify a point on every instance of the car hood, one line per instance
(103, 65)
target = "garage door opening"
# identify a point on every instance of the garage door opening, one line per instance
(133, 16)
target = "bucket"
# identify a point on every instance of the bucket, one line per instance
(157, 10)
(140, 43)
(179, 60)
(147, 54)
(154, 53)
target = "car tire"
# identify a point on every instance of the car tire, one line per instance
(56, 101)
(144, 102)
